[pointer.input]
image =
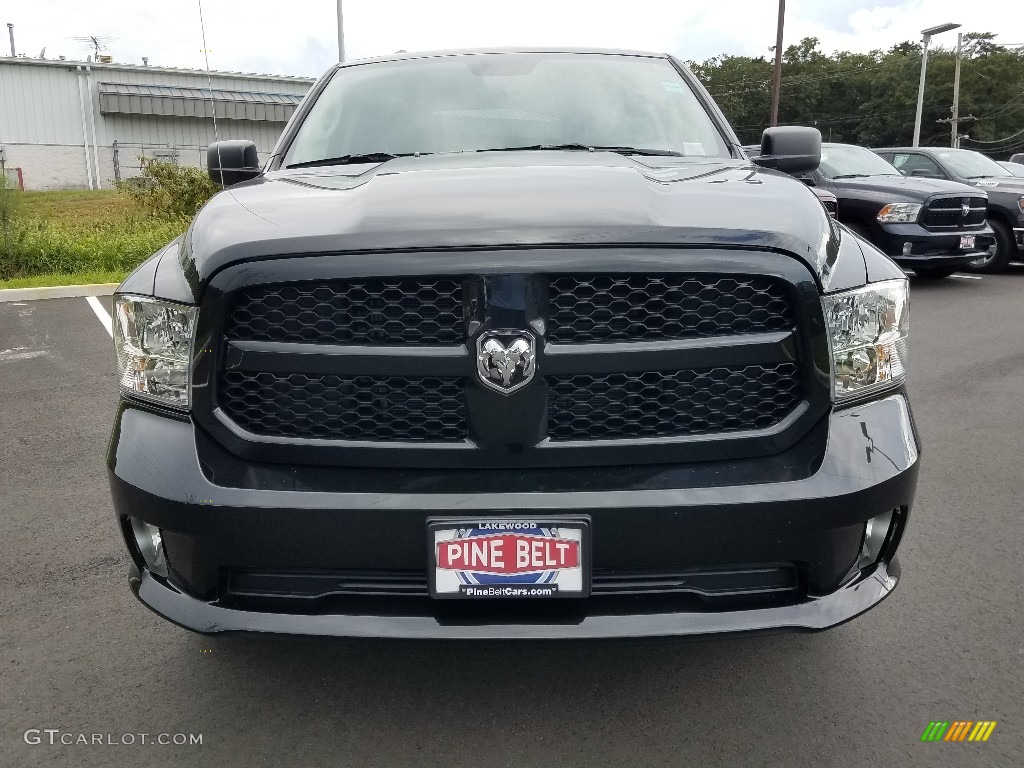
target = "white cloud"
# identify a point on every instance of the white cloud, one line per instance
(299, 36)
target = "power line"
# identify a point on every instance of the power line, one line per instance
(757, 81)
(1004, 108)
(998, 141)
(854, 118)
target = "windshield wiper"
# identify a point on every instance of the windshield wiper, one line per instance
(586, 148)
(863, 175)
(369, 157)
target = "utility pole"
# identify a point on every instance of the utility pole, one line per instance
(777, 75)
(955, 122)
(341, 34)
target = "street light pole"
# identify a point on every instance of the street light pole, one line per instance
(925, 39)
(341, 34)
(955, 122)
(920, 90)
(777, 75)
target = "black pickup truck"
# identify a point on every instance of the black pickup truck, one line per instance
(933, 227)
(1005, 193)
(513, 345)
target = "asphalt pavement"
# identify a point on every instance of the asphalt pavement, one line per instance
(80, 656)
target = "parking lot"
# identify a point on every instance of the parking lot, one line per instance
(81, 655)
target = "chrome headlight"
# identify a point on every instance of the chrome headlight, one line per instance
(153, 341)
(868, 329)
(899, 213)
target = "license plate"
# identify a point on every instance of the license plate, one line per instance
(506, 559)
(967, 242)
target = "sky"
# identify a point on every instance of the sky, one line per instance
(299, 37)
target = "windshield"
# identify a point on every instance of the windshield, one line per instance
(845, 161)
(470, 102)
(970, 164)
(1015, 169)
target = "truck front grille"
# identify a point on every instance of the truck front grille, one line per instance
(671, 403)
(589, 308)
(692, 359)
(949, 213)
(381, 409)
(367, 311)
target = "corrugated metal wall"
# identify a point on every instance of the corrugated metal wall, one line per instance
(40, 105)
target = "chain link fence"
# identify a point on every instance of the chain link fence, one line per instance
(127, 157)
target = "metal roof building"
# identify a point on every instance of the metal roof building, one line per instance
(68, 124)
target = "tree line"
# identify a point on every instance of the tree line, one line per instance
(870, 98)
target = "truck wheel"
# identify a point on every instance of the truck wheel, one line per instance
(934, 273)
(1006, 249)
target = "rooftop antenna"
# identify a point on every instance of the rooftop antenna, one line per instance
(96, 42)
(209, 83)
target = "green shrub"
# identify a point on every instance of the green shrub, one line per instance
(169, 190)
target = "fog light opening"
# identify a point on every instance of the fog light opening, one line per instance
(876, 533)
(151, 547)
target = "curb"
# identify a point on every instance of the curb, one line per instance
(57, 292)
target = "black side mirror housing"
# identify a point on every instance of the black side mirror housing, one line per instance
(923, 172)
(790, 149)
(229, 162)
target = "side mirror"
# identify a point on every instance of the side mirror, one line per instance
(229, 162)
(790, 149)
(923, 172)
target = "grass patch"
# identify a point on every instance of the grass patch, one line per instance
(70, 278)
(70, 234)
(77, 206)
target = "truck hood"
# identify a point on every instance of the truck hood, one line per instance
(913, 188)
(514, 200)
(1010, 184)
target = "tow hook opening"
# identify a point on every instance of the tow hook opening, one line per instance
(881, 535)
(149, 542)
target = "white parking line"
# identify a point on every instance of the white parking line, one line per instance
(101, 313)
(21, 353)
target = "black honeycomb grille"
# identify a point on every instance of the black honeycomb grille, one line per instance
(947, 213)
(374, 311)
(651, 307)
(671, 403)
(345, 408)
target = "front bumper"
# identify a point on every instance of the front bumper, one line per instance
(814, 614)
(806, 507)
(912, 245)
